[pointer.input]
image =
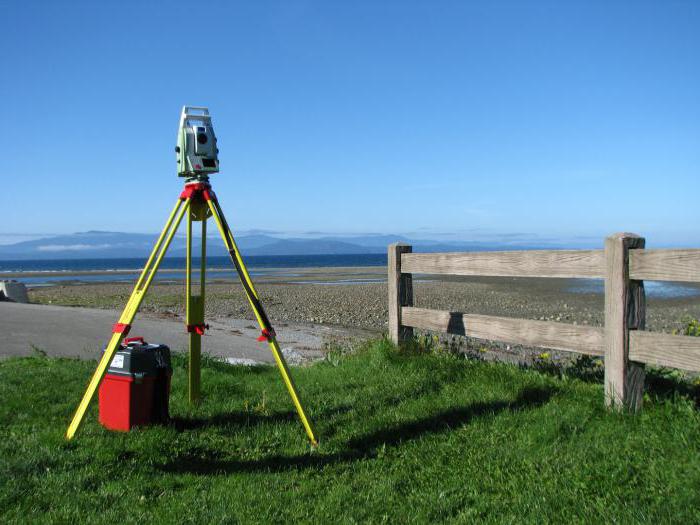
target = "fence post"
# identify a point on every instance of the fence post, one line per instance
(400, 292)
(625, 310)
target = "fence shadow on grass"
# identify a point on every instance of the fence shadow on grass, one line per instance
(664, 384)
(362, 447)
(660, 383)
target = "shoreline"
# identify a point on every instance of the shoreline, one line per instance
(337, 276)
(288, 275)
(364, 304)
(122, 271)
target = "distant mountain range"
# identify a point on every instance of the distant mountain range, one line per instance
(111, 245)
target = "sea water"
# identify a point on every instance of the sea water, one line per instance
(128, 269)
(282, 266)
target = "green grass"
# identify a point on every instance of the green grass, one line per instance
(405, 437)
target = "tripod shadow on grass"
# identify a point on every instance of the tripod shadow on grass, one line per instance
(362, 447)
(230, 419)
(248, 419)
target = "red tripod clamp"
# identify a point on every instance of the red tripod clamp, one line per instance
(197, 328)
(266, 335)
(196, 190)
(121, 328)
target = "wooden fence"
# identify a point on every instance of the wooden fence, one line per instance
(624, 264)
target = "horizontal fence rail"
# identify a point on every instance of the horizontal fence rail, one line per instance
(624, 264)
(665, 265)
(675, 351)
(537, 263)
(544, 334)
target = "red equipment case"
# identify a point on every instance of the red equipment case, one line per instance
(136, 388)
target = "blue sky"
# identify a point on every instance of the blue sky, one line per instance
(437, 119)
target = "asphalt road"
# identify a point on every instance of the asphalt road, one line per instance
(83, 332)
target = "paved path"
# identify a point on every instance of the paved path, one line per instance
(83, 332)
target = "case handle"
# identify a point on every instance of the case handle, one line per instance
(130, 340)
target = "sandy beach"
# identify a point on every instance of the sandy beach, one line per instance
(357, 297)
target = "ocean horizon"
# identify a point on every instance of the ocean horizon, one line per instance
(126, 270)
(175, 263)
(43, 272)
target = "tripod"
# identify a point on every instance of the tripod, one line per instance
(198, 202)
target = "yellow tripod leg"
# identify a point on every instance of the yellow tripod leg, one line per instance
(130, 310)
(195, 303)
(260, 315)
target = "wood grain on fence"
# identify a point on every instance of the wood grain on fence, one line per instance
(677, 351)
(543, 334)
(400, 286)
(625, 310)
(665, 265)
(536, 263)
(624, 264)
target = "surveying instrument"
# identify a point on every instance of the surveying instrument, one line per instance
(197, 158)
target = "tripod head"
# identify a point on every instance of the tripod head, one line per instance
(197, 154)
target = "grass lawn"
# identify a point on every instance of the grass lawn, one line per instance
(405, 437)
